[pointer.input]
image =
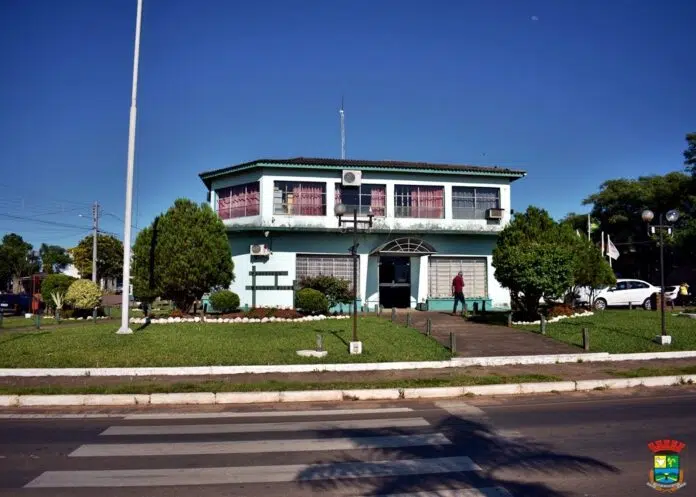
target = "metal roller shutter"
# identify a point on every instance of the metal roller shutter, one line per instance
(338, 266)
(442, 270)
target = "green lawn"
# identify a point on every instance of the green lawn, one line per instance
(623, 331)
(191, 344)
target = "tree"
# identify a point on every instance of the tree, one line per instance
(590, 268)
(533, 258)
(690, 153)
(18, 260)
(109, 256)
(53, 258)
(184, 254)
(618, 206)
(55, 283)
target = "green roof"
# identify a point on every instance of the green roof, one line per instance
(364, 165)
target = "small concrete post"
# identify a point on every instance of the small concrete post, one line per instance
(2, 316)
(94, 314)
(58, 316)
(380, 308)
(393, 314)
(428, 327)
(408, 320)
(630, 306)
(586, 339)
(320, 342)
(671, 303)
(510, 319)
(453, 342)
(543, 325)
(38, 321)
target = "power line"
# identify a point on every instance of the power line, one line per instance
(54, 223)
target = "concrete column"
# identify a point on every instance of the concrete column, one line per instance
(423, 283)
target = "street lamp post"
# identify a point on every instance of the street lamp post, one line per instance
(671, 217)
(340, 210)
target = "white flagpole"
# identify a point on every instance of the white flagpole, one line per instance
(608, 242)
(603, 243)
(588, 226)
(125, 303)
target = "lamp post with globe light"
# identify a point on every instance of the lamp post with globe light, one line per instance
(340, 210)
(671, 217)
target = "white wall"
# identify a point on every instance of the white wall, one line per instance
(268, 176)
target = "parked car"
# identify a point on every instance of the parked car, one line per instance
(17, 304)
(671, 293)
(625, 292)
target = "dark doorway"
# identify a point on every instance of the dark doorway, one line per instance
(395, 282)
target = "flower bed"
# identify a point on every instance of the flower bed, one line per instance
(555, 319)
(237, 319)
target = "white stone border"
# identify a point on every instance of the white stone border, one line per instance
(226, 398)
(557, 318)
(245, 320)
(458, 362)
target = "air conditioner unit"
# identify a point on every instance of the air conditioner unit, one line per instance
(259, 250)
(351, 178)
(494, 214)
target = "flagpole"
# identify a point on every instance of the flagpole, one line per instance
(608, 245)
(588, 226)
(602, 244)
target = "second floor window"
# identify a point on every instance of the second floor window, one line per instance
(419, 201)
(473, 202)
(299, 198)
(239, 201)
(366, 198)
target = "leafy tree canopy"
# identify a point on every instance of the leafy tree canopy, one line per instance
(17, 260)
(690, 153)
(533, 258)
(184, 254)
(109, 256)
(53, 258)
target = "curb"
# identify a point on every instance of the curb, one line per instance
(457, 362)
(210, 398)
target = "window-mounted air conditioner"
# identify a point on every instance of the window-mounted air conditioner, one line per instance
(494, 214)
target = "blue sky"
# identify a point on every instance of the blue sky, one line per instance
(575, 92)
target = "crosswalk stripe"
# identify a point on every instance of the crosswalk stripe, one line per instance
(257, 446)
(266, 414)
(463, 492)
(250, 474)
(351, 424)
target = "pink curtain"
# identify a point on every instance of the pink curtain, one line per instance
(378, 200)
(427, 201)
(308, 200)
(239, 201)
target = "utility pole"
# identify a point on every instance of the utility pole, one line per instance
(95, 229)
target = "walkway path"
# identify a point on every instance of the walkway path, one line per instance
(482, 340)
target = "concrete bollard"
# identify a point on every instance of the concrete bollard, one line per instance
(509, 319)
(320, 342)
(393, 314)
(38, 321)
(630, 306)
(429, 327)
(453, 342)
(586, 339)
(408, 320)
(543, 325)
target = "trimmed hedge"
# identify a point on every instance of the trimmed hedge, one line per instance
(311, 301)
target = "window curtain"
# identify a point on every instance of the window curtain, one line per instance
(427, 201)
(309, 200)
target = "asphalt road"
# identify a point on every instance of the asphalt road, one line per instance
(593, 444)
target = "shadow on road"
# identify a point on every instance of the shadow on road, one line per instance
(532, 461)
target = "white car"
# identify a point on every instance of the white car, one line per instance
(624, 293)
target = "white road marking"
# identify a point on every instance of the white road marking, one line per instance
(250, 474)
(266, 414)
(350, 424)
(257, 446)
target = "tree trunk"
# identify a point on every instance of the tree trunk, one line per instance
(531, 307)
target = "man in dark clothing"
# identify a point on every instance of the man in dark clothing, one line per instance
(458, 292)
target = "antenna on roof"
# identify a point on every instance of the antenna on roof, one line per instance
(343, 132)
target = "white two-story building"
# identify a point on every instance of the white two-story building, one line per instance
(429, 221)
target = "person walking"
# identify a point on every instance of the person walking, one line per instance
(683, 293)
(458, 292)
